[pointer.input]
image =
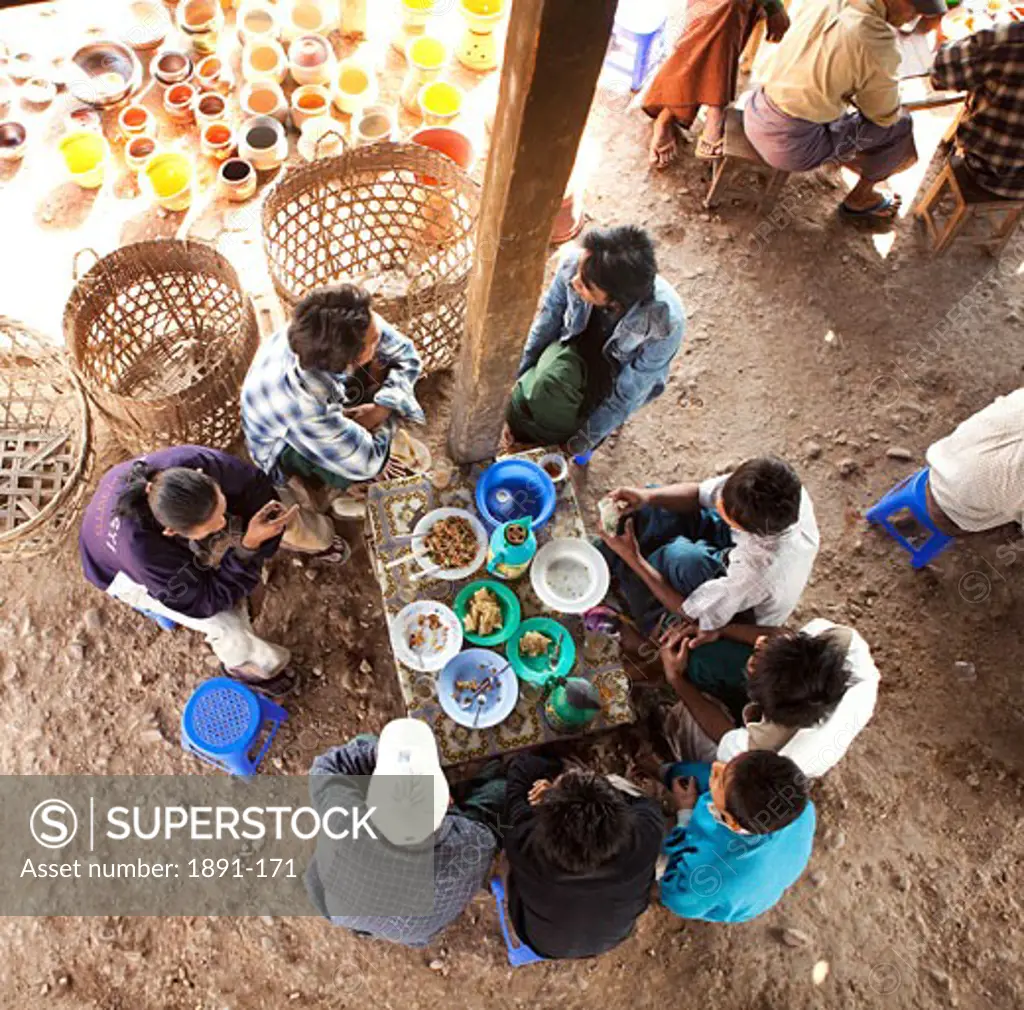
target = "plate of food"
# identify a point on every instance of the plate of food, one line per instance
(425, 635)
(478, 689)
(961, 22)
(450, 543)
(570, 575)
(489, 612)
(541, 648)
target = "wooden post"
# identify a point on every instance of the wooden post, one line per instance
(553, 58)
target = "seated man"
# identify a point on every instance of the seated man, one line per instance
(736, 547)
(744, 836)
(811, 692)
(581, 856)
(976, 476)
(183, 533)
(430, 854)
(988, 137)
(601, 346)
(322, 397)
(839, 52)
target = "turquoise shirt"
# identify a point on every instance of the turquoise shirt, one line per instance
(721, 875)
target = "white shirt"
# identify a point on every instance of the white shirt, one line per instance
(765, 573)
(817, 748)
(977, 472)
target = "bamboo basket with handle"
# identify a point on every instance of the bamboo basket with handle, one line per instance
(396, 219)
(161, 336)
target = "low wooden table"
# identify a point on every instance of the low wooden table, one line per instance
(393, 509)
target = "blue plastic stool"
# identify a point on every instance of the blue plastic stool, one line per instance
(224, 722)
(519, 953)
(910, 495)
(165, 622)
(638, 40)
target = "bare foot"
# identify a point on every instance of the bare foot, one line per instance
(665, 141)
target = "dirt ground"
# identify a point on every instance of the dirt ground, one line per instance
(809, 340)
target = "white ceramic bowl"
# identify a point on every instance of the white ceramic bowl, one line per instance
(420, 551)
(440, 645)
(570, 575)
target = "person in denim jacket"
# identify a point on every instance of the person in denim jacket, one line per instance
(600, 347)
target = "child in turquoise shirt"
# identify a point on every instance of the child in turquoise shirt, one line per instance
(744, 836)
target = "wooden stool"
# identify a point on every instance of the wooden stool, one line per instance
(741, 173)
(998, 217)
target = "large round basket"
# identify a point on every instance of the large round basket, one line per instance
(45, 455)
(161, 335)
(396, 219)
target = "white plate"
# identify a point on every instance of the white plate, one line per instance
(420, 551)
(570, 575)
(441, 645)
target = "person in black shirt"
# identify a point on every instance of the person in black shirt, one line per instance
(581, 857)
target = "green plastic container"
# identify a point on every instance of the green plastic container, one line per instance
(537, 670)
(511, 612)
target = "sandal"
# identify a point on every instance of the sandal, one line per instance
(278, 686)
(710, 150)
(337, 554)
(885, 210)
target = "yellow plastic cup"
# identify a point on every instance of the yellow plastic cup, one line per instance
(427, 53)
(85, 155)
(169, 180)
(440, 102)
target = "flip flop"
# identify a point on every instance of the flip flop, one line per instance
(708, 150)
(885, 210)
(273, 687)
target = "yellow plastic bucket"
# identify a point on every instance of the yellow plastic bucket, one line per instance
(440, 102)
(169, 180)
(85, 155)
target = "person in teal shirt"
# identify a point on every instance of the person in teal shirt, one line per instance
(744, 835)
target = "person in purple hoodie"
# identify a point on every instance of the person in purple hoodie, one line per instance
(183, 533)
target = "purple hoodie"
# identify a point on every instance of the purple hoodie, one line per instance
(167, 566)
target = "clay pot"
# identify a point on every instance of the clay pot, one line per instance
(262, 142)
(426, 57)
(13, 139)
(178, 102)
(236, 180)
(440, 103)
(569, 219)
(213, 74)
(309, 102)
(138, 151)
(452, 143)
(209, 108)
(201, 22)
(171, 66)
(257, 22)
(355, 87)
(264, 99)
(136, 121)
(217, 140)
(168, 179)
(374, 125)
(305, 17)
(311, 60)
(264, 61)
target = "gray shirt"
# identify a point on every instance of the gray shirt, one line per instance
(342, 876)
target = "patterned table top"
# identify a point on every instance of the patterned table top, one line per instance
(393, 509)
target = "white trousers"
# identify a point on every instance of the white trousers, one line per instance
(229, 633)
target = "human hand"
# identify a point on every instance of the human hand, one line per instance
(368, 415)
(778, 25)
(675, 653)
(684, 793)
(624, 544)
(537, 790)
(704, 637)
(630, 499)
(269, 522)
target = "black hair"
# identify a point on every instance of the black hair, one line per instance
(799, 679)
(581, 822)
(621, 263)
(177, 498)
(328, 330)
(766, 791)
(762, 495)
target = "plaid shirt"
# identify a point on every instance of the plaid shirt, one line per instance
(286, 405)
(990, 65)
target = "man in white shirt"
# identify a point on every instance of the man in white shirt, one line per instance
(739, 547)
(811, 692)
(976, 476)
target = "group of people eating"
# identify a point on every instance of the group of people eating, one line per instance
(830, 95)
(743, 712)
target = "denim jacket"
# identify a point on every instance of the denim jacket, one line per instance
(640, 349)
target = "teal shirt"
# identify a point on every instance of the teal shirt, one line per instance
(720, 875)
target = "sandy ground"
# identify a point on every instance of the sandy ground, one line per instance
(811, 340)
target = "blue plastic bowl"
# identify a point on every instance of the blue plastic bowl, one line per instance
(513, 488)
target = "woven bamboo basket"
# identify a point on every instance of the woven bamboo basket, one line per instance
(45, 453)
(161, 335)
(396, 219)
